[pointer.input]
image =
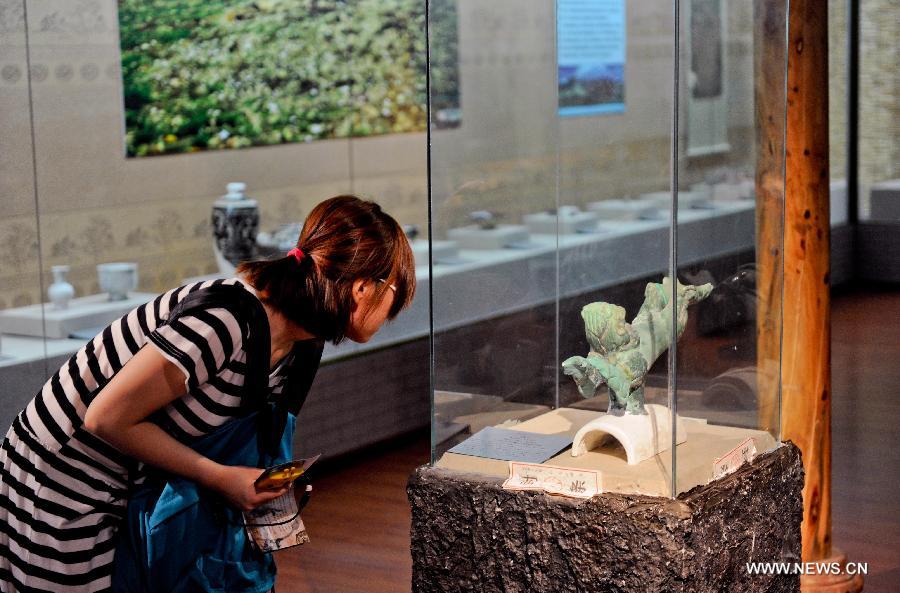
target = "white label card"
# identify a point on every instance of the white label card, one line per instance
(745, 452)
(563, 481)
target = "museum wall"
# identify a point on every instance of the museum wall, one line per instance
(71, 197)
(879, 105)
(879, 100)
(837, 88)
(93, 205)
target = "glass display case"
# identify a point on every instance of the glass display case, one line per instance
(582, 154)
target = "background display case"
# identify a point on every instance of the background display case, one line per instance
(596, 147)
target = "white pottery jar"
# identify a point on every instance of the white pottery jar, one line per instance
(60, 292)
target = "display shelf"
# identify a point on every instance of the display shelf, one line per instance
(503, 236)
(43, 320)
(731, 224)
(24, 349)
(565, 221)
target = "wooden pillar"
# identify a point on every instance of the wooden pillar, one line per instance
(769, 79)
(806, 362)
(806, 351)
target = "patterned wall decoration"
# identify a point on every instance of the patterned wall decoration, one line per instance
(12, 16)
(11, 73)
(81, 17)
(18, 246)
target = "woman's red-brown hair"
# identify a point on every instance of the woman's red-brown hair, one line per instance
(344, 239)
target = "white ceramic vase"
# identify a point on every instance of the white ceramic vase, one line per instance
(60, 292)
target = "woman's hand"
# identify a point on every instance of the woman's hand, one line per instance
(236, 484)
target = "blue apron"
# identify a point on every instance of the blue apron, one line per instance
(179, 538)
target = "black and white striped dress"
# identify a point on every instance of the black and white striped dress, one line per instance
(62, 490)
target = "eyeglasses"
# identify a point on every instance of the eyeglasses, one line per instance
(391, 286)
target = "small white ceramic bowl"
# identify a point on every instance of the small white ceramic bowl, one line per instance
(117, 279)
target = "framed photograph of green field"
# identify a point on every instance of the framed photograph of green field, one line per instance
(224, 74)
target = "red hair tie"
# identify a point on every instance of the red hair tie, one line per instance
(297, 254)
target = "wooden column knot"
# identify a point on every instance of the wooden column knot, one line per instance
(814, 506)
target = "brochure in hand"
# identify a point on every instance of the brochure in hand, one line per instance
(276, 524)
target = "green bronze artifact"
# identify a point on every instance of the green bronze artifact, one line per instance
(621, 352)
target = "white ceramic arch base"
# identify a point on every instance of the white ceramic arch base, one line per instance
(641, 435)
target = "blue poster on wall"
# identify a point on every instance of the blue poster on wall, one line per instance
(591, 56)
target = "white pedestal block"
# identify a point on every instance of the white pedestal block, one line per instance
(504, 235)
(565, 222)
(703, 190)
(659, 199)
(687, 199)
(83, 313)
(695, 200)
(618, 209)
(733, 191)
(443, 252)
(641, 435)
(839, 211)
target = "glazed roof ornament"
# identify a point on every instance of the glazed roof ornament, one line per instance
(621, 352)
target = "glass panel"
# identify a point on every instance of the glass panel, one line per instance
(494, 160)
(564, 126)
(22, 358)
(730, 228)
(616, 165)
